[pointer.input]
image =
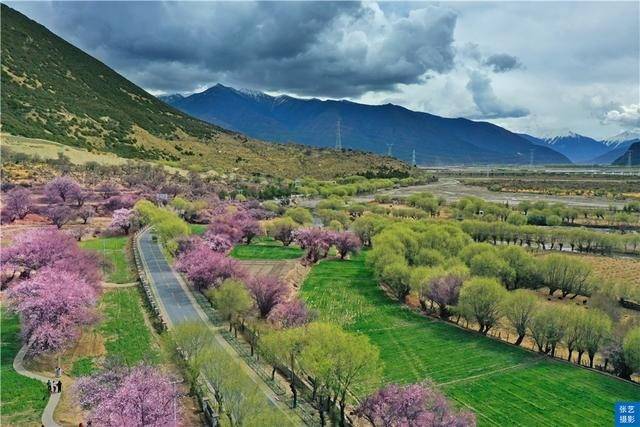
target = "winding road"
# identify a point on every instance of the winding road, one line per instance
(54, 398)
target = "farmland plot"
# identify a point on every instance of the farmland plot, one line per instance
(502, 384)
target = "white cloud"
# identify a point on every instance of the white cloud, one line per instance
(624, 115)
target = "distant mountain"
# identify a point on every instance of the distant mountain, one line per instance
(436, 140)
(610, 156)
(170, 99)
(578, 148)
(55, 91)
(624, 138)
(632, 153)
(586, 150)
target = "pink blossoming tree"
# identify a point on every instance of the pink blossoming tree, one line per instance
(59, 215)
(290, 314)
(346, 242)
(122, 219)
(39, 248)
(53, 305)
(16, 203)
(205, 268)
(61, 189)
(315, 241)
(218, 242)
(412, 405)
(136, 397)
(267, 293)
(445, 291)
(86, 213)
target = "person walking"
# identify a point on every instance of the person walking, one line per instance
(58, 371)
(59, 386)
(49, 386)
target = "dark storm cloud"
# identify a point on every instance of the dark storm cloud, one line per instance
(488, 104)
(310, 48)
(502, 62)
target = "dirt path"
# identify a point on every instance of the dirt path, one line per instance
(54, 398)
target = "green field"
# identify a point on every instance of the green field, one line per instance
(266, 248)
(198, 229)
(502, 384)
(115, 250)
(126, 334)
(23, 399)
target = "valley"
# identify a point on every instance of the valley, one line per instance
(321, 249)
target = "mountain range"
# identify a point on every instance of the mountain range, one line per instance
(585, 150)
(315, 122)
(54, 91)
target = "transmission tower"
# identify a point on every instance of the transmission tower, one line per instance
(531, 157)
(338, 136)
(390, 149)
(413, 158)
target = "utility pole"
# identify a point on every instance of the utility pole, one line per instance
(629, 158)
(338, 136)
(530, 157)
(390, 149)
(413, 158)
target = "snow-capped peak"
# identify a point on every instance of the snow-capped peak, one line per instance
(252, 93)
(628, 135)
(552, 135)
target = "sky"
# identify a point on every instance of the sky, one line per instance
(544, 68)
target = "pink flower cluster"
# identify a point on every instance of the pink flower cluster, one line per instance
(205, 267)
(57, 289)
(412, 405)
(136, 397)
(317, 242)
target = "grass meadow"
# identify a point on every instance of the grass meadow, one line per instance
(266, 248)
(113, 249)
(502, 384)
(23, 399)
(126, 334)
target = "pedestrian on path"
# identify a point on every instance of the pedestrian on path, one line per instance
(59, 386)
(49, 386)
(58, 371)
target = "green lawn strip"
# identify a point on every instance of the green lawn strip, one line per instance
(532, 391)
(83, 366)
(126, 334)
(115, 250)
(266, 248)
(198, 229)
(23, 399)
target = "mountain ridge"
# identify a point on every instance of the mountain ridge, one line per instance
(54, 91)
(314, 122)
(582, 149)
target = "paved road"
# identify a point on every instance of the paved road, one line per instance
(178, 305)
(175, 300)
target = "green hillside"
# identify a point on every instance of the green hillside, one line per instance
(54, 91)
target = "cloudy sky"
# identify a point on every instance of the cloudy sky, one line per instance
(537, 67)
